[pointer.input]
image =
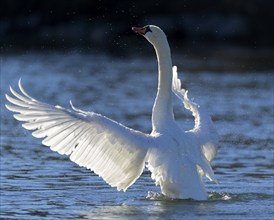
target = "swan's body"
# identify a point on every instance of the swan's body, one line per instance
(177, 159)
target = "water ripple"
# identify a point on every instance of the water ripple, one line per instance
(37, 183)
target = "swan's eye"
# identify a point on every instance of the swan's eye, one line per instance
(147, 29)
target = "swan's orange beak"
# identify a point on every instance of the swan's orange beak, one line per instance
(139, 30)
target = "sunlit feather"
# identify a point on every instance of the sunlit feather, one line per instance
(118, 154)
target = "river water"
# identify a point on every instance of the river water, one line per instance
(37, 183)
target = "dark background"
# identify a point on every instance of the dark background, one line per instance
(88, 25)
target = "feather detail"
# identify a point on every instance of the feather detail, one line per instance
(203, 130)
(111, 150)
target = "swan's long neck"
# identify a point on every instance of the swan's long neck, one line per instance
(162, 112)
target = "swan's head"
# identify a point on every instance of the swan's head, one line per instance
(152, 33)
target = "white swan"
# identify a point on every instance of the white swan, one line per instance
(177, 159)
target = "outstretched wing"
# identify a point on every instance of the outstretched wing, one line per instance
(111, 150)
(203, 129)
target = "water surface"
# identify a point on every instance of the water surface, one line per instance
(37, 183)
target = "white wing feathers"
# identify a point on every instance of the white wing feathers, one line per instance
(203, 130)
(111, 150)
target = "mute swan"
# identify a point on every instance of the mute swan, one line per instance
(177, 159)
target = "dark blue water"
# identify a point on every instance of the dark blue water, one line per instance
(37, 183)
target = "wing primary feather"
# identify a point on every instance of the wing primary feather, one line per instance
(102, 145)
(36, 117)
(20, 103)
(92, 153)
(24, 92)
(37, 124)
(65, 132)
(70, 140)
(44, 132)
(20, 97)
(83, 145)
(84, 157)
(67, 150)
(45, 127)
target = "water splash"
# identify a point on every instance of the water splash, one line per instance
(219, 196)
(213, 196)
(156, 196)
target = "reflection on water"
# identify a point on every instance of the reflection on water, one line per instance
(38, 183)
(160, 209)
